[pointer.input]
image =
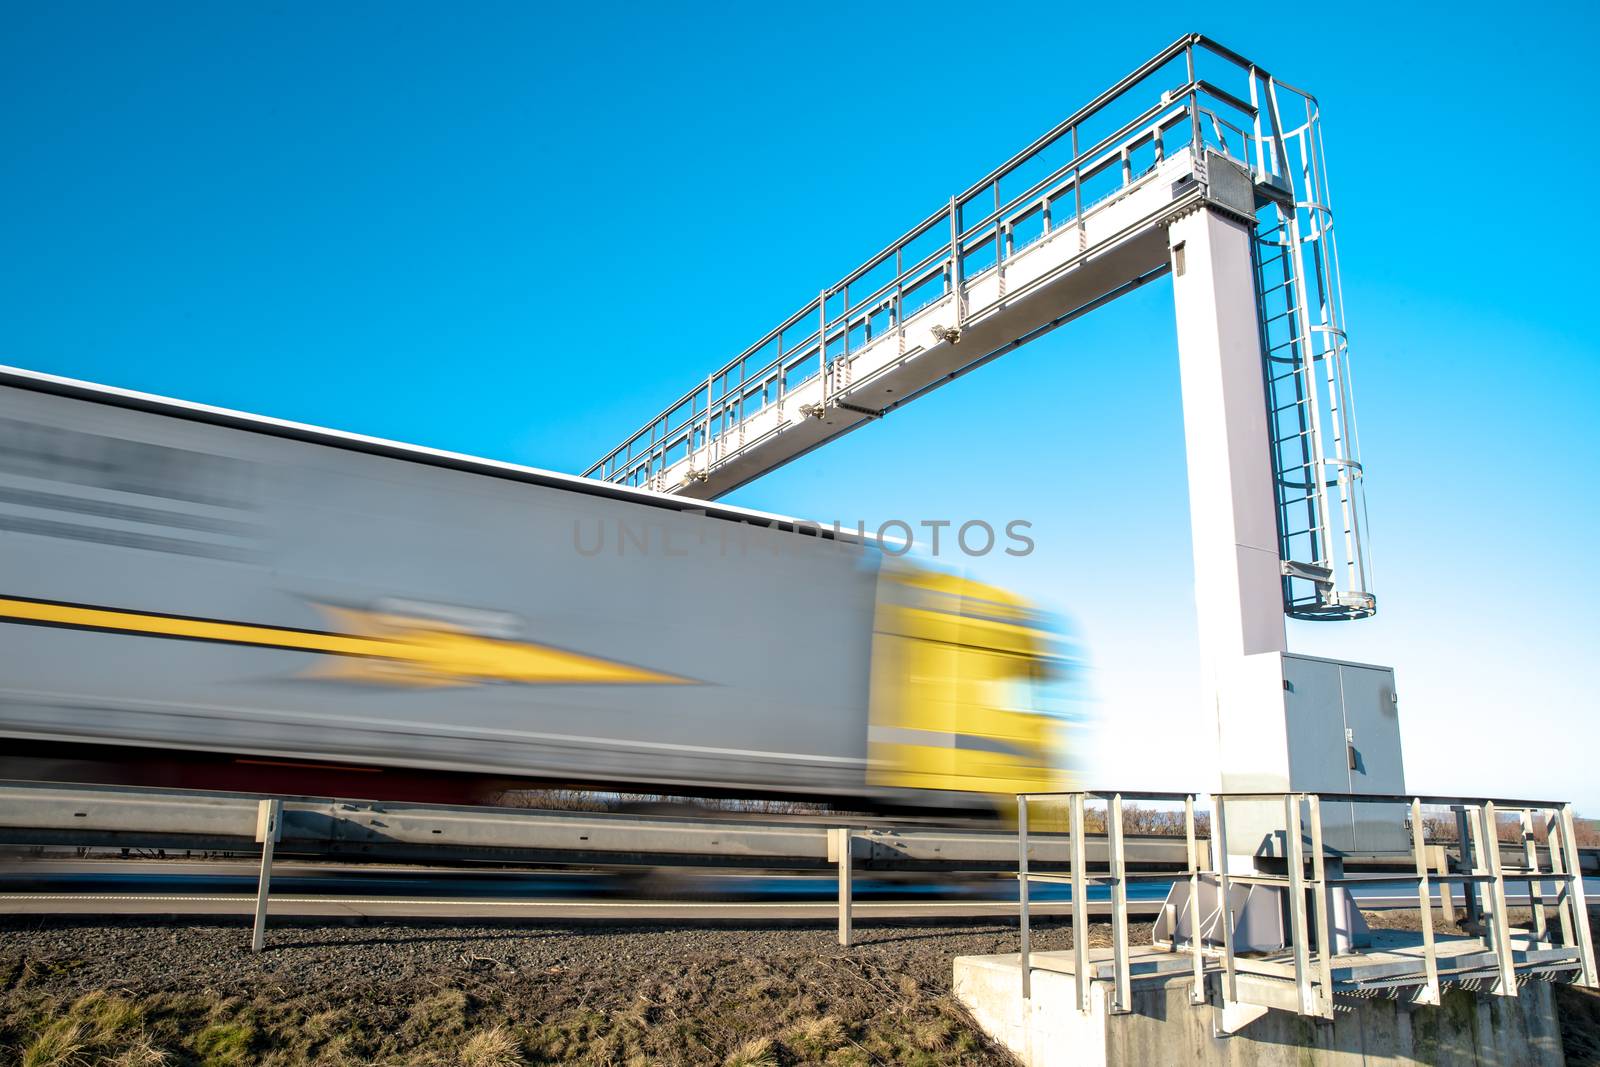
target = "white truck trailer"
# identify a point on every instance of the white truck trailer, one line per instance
(203, 597)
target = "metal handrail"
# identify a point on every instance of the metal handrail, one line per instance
(1482, 876)
(1117, 878)
(643, 453)
(1478, 818)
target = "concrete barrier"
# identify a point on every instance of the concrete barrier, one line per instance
(1164, 1027)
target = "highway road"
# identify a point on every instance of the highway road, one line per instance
(167, 887)
(501, 910)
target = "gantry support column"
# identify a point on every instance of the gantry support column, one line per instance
(1238, 580)
(1232, 510)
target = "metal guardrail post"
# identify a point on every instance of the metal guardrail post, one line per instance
(1324, 909)
(955, 260)
(1197, 993)
(1558, 867)
(1022, 894)
(711, 439)
(1465, 835)
(1002, 249)
(899, 311)
(1530, 855)
(1430, 957)
(1195, 135)
(1500, 921)
(1294, 860)
(1080, 907)
(841, 850)
(1077, 193)
(1119, 906)
(822, 344)
(1580, 906)
(1230, 981)
(269, 826)
(1447, 904)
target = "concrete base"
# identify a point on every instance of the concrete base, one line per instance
(1165, 1028)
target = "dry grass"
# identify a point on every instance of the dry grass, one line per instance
(405, 996)
(59, 1044)
(141, 1054)
(834, 1009)
(757, 1053)
(443, 1014)
(494, 1047)
(814, 1038)
(97, 1028)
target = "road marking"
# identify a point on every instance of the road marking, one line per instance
(1002, 907)
(473, 902)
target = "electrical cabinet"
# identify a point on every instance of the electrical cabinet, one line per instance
(1342, 727)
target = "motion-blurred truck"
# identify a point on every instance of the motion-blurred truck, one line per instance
(198, 597)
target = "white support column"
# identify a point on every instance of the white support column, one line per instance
(1238, 580)
(1232, 512)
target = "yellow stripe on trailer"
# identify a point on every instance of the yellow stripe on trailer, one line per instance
(387, 649)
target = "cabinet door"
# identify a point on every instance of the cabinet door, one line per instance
(1373, 718)
(1317, 759)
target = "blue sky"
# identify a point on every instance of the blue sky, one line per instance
(519, 231)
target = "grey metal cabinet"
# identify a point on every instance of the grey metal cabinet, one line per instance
(1343, 730)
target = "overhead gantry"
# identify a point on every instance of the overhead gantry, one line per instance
(1199, 164)
(1203, 166)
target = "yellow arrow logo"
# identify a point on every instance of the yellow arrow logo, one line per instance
(384, 648)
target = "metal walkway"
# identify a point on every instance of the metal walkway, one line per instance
(1073, 221)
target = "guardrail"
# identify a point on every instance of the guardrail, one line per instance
(118, 817)
(47, 814)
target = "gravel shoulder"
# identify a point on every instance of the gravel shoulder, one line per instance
(147, 993)
(561, 993)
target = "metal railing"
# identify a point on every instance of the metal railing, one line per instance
(1482, 873)
(1193, 97)
(44, 814)
(1116, 876)
(1168, 103)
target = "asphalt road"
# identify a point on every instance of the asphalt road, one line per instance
(444, 908)
(224, 887)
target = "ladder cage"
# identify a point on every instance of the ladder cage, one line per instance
(1316, 452)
